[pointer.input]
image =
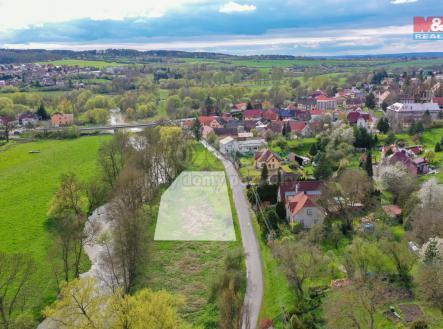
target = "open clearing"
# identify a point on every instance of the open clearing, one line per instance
(27, 184)
(196, 208)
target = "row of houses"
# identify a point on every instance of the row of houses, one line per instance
(32, 119)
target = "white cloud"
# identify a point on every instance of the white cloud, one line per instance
(20, 14)
(234, 7)
(401, 2)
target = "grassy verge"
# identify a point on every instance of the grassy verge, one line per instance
(277, 291)
(27, 184)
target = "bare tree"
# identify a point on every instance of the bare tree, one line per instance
(69, 218)
(355, 306)
(301, 261)
(112, 156)
(129, 226)
(15, 277)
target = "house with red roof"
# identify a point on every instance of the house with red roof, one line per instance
(303, 209)
(211, 121)
(359, 119)
(300, 128)
(270, 115)
(317, 114)
(414, 165)
(253, 114)
(268, 158)
(326, 103)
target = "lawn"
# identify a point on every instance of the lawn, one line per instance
(27, 184)
(188, 268)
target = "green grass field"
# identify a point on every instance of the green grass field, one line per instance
(84, 63)
(27, 184)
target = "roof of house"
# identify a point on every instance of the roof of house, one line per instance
(303, 186)
(265, 156)
(270, 115)
(226, 131)
(227, 140)
(354, 116)
(206, 120)
(414, 107)
(253, 113)
(392, 210)
(276, 127)
(299, 201)
(317, 112)
(323, 98)
(297, 126)
(238, 106)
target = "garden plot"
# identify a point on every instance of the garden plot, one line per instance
(196, 207)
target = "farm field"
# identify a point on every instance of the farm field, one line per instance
(84, 63)
(27, 184)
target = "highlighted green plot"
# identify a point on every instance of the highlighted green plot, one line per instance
(196, 208)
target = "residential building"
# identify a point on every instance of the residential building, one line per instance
(62, 119)
(300, 128)
(410, 112)
(414, 165)
(303, 209)
(268, 158)
(251, 145)
(228, 145)
(211, 121)
(291, 188)
(359, 119)
(253, 114)
(326, 103)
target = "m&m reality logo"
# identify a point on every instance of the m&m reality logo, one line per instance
(428, 28)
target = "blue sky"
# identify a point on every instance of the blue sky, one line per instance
(296, 27)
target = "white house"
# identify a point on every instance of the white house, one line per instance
(302, 209)
(228, 145)
(400, 112)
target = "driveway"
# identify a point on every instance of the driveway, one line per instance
(254, 290)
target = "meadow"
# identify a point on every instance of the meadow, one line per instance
(84, 63)
(189, 268)
(27, 184)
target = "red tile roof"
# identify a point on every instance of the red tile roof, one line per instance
(253, 114)
(354, 116)
(270, 115)
(324, 98)
(297, 126)
(206, 120)
(317, 112)
(300, 201)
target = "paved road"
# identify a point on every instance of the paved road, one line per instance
(254, 290)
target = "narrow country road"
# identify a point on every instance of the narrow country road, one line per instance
(254, 290)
